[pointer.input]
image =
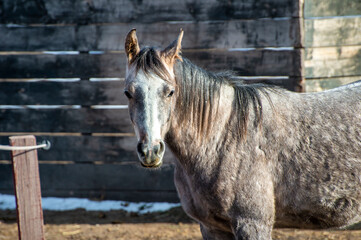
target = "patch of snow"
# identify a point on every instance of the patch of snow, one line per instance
(7, 202)
(64, 204)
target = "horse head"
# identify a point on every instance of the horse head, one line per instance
(151, 90)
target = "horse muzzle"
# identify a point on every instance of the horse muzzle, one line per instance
(151, 155)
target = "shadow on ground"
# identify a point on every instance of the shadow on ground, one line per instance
(80, 216)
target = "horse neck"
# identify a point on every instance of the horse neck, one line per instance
(192, 146)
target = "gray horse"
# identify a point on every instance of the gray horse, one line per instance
(248, 156)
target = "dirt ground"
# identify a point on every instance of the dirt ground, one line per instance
(173, 224)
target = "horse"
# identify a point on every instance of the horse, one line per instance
(249, 157)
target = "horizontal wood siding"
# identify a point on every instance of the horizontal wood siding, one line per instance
(322, 8)
(332, 43)
(333, 62)
(83, 93)
(84, 120)
(261, 62)
(333, 32)
(102, 181)
(88, 149)
(62, 93)
(63, 65)
(317, 85)
(127, 11)
(198, 35)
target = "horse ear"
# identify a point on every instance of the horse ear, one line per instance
(131, 45)
(173, 51)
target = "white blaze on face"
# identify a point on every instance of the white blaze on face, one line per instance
(149, 128)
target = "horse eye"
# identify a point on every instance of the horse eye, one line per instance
(129, 96)
(171, 93)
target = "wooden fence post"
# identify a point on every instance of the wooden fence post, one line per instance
(27, 189)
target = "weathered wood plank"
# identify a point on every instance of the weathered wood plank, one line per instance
(63, 93)
(102, 11)
(333, 31)
(251, 63)
(326, 69)
(295, 84)
(82, 92)
(262, 62)
(65, 120)
(332, 53)
(333, 62)
(62, 66)
(81, 149)
(199, 35)
(321, 8)
(317, 85)
(27, 189)
(108, 181)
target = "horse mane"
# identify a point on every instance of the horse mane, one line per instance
(148, 60)
(198, 90)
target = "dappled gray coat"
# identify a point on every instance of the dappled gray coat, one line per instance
(248, 156)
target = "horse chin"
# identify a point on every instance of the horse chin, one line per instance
(157, 164)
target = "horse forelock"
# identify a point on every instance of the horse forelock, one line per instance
(149, 61)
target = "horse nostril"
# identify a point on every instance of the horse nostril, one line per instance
(161, 147)
(141, 149)
(158, 149)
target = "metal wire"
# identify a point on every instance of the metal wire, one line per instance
(45, 145)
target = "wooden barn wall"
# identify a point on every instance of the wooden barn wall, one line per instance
(332, 41)
(62, 70)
